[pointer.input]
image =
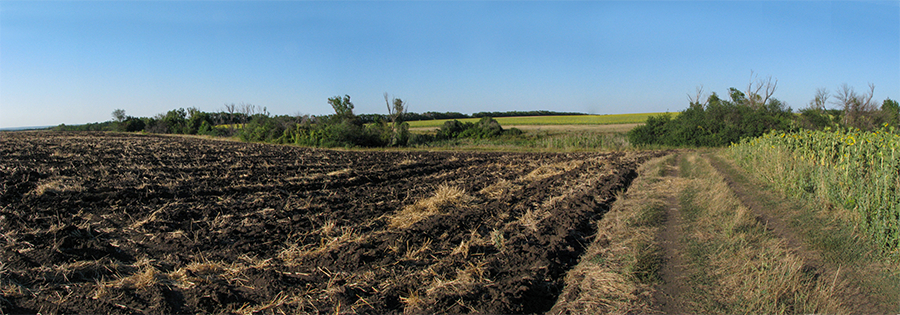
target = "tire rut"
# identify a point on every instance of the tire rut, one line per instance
(855, 298)
(669, 297)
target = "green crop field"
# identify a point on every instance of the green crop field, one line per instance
(549, 120)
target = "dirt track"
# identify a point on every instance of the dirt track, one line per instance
(113, 223)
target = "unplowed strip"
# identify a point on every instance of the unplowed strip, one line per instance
(858, 300)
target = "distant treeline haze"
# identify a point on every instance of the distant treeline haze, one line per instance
(708, 121)
(344, 128)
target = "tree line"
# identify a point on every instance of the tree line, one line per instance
(716, 121)
(254, 123)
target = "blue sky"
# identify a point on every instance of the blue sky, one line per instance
(75, 62)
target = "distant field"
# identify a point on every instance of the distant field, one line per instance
(548, 120)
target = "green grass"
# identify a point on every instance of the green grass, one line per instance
(734, 265)
(863, 263)
(852, 171)
(549, 120)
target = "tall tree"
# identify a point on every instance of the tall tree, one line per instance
(343, 108)
(891, 109)
(119, 115)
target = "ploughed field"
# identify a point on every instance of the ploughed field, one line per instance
(127, 223)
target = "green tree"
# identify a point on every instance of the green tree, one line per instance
(175, 121)
(343, 108)
(118, 119)
(133, 124)
(718, 121)
(196, 119)
(119, 115)
(891, 110)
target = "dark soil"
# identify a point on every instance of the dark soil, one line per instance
(128, 223)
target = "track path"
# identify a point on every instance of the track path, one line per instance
(765, 207)
(670, 297)
(855, 284)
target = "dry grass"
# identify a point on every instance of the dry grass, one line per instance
(330, 239)
(407, 162)
(466, 279)
(339, 172)
(270, 306)
(733, 264)
(463, 248)
(533, 217)
(605, 281)
(414, 253)
(500, 189)
(145, 276)
(8, 286)
(548, 170)
(504, 187)
(58, 185)
(443, 197)
(412, 302)
(737, 265)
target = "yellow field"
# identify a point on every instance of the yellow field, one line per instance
(548, 120)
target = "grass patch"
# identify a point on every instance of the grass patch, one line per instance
(539, 141)
(651, 214)
(736, 266)
(617, 272)
(839, 241)
(648, 260)
(584, 140)
(853, 173)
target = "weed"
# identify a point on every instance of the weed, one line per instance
(498, 239)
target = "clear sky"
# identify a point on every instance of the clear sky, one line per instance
(75, 62)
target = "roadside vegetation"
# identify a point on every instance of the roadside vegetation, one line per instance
(717, 122)
(619, 270)
(853, 175)
(734, 263)
(696, 235)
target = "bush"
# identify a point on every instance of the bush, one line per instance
(133, 124)
(819, 119)
(485, 128)
(650, 132)
(717, 123)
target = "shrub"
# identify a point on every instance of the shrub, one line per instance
(485, 128)
(718, 122)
